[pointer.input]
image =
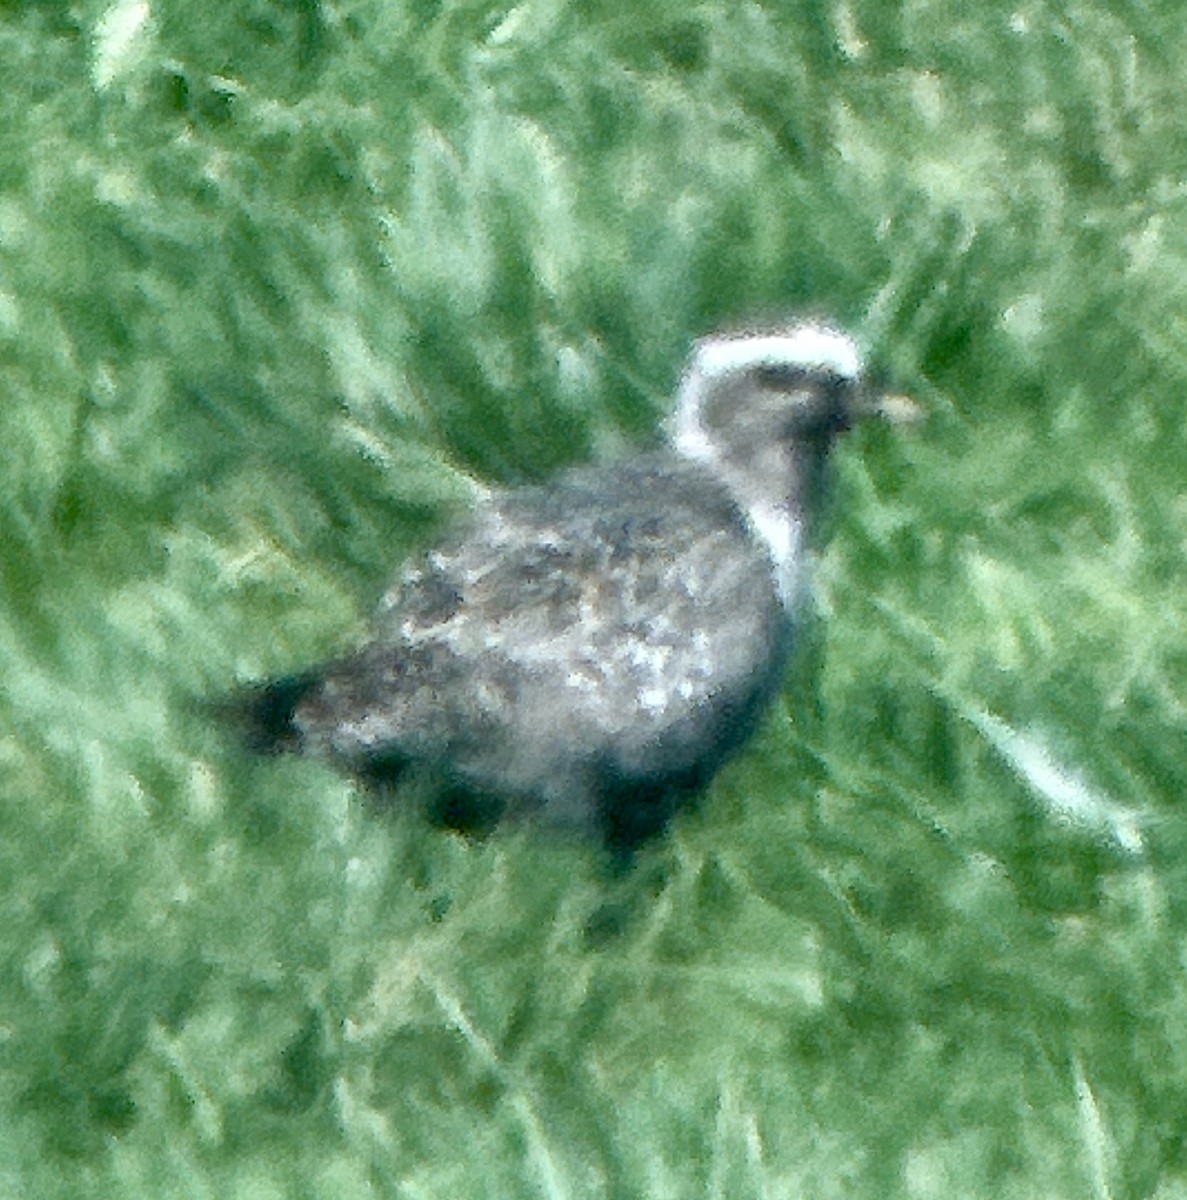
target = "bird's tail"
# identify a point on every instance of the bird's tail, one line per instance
(270, 711)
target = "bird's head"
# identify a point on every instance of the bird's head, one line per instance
(764, 408)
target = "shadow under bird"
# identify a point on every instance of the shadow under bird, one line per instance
(592, 650)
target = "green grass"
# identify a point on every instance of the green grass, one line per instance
(276, 282)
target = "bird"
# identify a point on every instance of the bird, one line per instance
(590, 651)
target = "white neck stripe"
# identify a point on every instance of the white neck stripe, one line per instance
(783, 537)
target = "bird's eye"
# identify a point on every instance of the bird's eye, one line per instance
(835, 384)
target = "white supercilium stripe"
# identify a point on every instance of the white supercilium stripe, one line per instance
(805, 346)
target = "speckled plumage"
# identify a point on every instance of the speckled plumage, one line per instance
(595, 648)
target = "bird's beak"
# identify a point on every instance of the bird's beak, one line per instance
(894, 407)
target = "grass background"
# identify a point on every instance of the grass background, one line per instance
(276, 281)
